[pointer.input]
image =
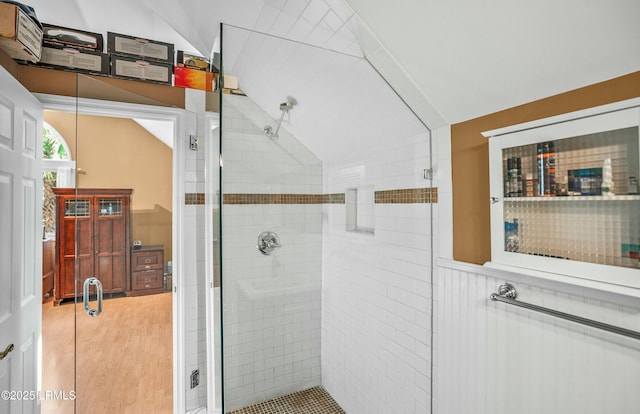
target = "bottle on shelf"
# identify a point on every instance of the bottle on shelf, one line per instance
(519, 192)
(633, 185)
(513, 184)
(607, 178)
(531, 185)
(508, 175)
(511, 241)
(546, 158)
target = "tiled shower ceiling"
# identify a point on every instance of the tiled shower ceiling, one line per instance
(344, 106)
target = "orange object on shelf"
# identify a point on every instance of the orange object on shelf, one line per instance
(193, 78)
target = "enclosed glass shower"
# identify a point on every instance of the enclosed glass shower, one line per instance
(304, 189)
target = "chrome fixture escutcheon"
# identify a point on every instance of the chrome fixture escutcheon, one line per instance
(268, 242)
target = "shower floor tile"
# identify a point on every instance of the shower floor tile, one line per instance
(312, 401)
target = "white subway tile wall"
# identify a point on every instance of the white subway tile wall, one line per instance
(376, 294)
(271, 303)
(256, 164)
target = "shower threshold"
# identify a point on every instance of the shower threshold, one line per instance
(312, 401)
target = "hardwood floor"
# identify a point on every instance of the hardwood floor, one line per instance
(123, 356)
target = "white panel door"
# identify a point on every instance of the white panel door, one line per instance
(20, 246)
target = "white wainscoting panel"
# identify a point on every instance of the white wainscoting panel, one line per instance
(495, 358)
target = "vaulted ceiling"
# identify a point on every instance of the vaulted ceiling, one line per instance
(470, 58)
(449, 61)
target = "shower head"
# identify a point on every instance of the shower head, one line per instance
(291, 102)
(284, 107)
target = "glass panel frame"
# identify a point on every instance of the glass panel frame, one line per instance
(145, 217)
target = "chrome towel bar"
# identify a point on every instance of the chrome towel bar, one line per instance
(508, 294)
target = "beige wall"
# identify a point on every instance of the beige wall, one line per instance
(470, 158)
(118, 153)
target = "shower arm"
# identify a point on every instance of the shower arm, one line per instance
(285, 107)
(284, 111)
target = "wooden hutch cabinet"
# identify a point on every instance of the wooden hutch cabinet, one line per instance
(93, 235)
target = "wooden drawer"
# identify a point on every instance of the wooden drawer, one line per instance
(147, 260)
(151, 279)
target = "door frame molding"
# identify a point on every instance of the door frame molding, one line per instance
(117, 109)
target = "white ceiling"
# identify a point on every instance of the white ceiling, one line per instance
(473, 57)
(449, 61)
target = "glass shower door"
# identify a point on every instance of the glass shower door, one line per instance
(128, 217)
(272, 244)
(123, 283)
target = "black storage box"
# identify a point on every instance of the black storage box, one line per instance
(124, 45)
(144, 70)
(74, 59)
(58, 35)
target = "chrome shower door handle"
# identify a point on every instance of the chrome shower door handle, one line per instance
(95, 282)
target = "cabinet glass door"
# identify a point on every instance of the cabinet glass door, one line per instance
(110, 207)
(574, 198)
(566, 197)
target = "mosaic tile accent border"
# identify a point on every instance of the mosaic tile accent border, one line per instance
(272, 198)
(194, 199)
(337, 198)
(403, 196)
(410, 195)
(312, 401)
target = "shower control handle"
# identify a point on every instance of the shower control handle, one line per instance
(268, 242)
